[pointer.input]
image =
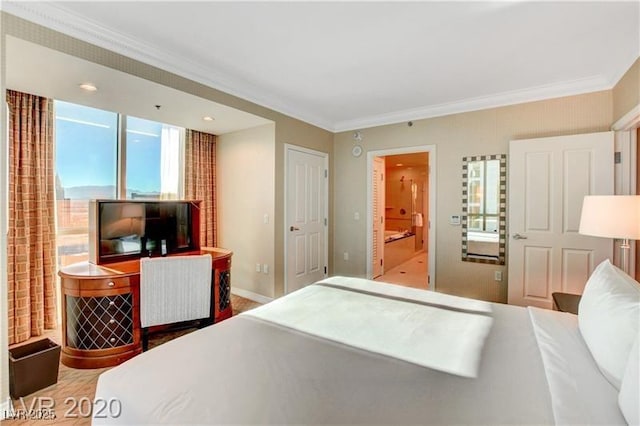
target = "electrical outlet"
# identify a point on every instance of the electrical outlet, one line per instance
(356, 216)
(258, 267)
(497, 275)
(345, 256)
(265, 268)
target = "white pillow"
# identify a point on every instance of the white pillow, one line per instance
(629, 397)
(609, 319)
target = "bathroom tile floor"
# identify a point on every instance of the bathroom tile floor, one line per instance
(412, 273)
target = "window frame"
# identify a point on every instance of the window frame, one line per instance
(121, 169)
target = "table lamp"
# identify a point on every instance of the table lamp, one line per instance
(612, 216)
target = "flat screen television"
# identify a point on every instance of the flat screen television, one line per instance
(131, 229)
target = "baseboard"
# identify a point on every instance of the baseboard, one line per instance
(250, 295)
(6, 409)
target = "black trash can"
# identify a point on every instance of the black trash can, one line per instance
(33, 366)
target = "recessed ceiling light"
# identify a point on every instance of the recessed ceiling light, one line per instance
(88, 87)
(207, 118)
(399, 165)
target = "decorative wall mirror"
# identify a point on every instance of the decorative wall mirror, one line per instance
(484, 208)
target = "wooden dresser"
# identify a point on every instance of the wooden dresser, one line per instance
(101, 308)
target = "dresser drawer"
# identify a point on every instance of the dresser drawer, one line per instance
(224, 263)
(96, 284)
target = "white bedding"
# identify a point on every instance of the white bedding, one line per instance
(533, 369)
(433, 330)
(580, 394)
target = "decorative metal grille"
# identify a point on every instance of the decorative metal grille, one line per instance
(99, 322)
(225, 290)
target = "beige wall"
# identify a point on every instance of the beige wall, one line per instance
(246, 177)
(455, 136)
(294, 132)
(626, 93)
(287, 129)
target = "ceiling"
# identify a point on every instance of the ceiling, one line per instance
(117, 91)
(351, 65)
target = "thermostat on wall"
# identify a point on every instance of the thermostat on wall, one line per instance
(454, 219)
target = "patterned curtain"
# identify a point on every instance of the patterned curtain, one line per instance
(31, 239)
(200, 181)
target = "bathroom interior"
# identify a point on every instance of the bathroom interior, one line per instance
(405, 211)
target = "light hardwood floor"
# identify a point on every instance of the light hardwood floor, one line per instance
(76, 388)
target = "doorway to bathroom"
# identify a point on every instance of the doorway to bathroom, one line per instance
(401, 205)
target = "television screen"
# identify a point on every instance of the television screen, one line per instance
(147, 228)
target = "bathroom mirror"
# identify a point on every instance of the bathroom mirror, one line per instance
(484, 208)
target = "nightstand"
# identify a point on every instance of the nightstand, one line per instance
(565, 302)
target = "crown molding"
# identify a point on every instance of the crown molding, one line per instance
(60, 19)
(623, 70)
(629, 121)
(570, 88)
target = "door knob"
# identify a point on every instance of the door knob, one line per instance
(294, 228)
(519, 237)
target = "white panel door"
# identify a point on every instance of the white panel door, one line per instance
(378, 187)
(306, 217)
(548, 179)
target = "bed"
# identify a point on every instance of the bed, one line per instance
(353, 351)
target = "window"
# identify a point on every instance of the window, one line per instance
(88, 167)
(153, 160)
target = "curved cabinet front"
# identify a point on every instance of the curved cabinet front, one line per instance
(99, 318)
(101, 309)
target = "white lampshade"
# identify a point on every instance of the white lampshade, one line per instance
(611, 216)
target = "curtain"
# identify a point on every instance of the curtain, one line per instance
(200, 181)
(31, 239)
(170, 162)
